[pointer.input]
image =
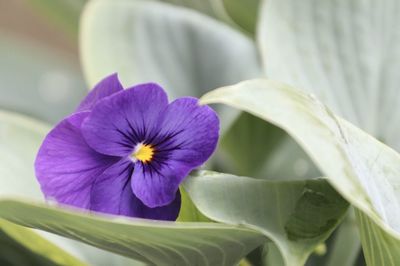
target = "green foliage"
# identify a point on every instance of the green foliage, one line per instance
(283, 211)
(363, 170)
(154, 242)
(196, 54)
(308, 45)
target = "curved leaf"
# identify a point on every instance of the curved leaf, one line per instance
(186, 52)
(154, 242)
(297, 215)
(197, 52)
(380, 246)
(345, 52)
(362, 169)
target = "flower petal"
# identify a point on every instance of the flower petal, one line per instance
(119, 122)
(191, 130)
(66, 166)
(187, 137)
(112, 193)
(157, 185)
(106, 87)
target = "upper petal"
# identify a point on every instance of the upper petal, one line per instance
(106, 87)
(189, 132)
(66, 166)
(187, 137)
(112, 193)
(119, 122)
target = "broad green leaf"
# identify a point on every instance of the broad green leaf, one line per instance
(362, 169)
(63, 12)
(344, 52)
(379, 245)
(37, 245)
(186, 52)
(154, 242)
(296, 215)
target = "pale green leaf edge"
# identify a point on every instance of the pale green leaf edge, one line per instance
(293, 251)
(224, 95)
(154, 242)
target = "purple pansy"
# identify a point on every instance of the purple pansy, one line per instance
(125, 152)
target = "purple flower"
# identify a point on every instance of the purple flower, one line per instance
(126, 151)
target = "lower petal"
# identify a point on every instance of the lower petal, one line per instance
(112, 193)
(168, 212)
(66, 166)
(156, 185)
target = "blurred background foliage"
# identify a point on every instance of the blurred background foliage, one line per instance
(41, 76)
(39, 68)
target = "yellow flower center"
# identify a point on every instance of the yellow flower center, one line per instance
(143, 153)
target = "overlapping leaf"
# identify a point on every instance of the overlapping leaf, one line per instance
(296, 215)
(157, 243)
(186, 52)
(345, 52)
(362, 169)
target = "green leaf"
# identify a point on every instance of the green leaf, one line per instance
(186, 52)
(196, 52)
(243, 13)
(189, 212)
(363, 170)
(37, 246)
(296, 215)
(154, 242)
(379, 245)
(344, 52)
